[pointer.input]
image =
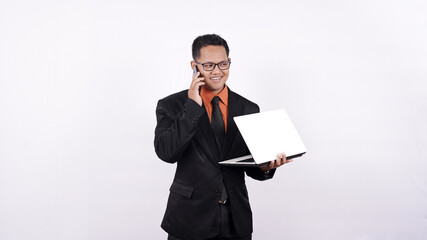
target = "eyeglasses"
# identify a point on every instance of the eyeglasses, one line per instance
(224, 65)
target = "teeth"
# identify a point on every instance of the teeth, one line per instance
(216, 78)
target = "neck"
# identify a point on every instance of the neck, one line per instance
(214, 92)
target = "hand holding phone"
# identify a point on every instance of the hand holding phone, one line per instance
(196, 83)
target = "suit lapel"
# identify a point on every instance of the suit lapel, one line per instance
(234, 109)
(208, 137)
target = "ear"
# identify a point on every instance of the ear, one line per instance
(193, 64)
(229, 59)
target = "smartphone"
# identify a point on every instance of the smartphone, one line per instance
(195, 70)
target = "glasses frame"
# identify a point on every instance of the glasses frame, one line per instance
(215, 64)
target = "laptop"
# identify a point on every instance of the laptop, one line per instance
(266, 134)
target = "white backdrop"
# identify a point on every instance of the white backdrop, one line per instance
(80, 80)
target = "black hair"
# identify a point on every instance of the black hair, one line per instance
(206, 40)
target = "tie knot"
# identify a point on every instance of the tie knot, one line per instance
(215, 100)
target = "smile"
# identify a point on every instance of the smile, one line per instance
(216, 78)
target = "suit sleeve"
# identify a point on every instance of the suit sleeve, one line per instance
(258, 174)
(174, 131)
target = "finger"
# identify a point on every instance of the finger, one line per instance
(196, 78)
(287, 160)
(196, 75)
(284, 158)
(278, 157)
(196, 82)
(276, 162)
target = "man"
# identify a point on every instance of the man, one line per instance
(195, 129)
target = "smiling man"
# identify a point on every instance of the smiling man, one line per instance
(196, 130)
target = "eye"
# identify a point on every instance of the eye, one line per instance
(223, 64)
(208, 65)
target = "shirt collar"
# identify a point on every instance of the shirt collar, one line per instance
(207, 95)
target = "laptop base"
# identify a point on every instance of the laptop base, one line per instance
(248, 161)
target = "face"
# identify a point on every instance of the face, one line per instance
(215, 79)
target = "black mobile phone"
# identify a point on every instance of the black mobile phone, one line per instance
(195, 70)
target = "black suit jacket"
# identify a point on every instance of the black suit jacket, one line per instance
(184, 135)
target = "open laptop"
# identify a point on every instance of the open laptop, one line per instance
(266, 134)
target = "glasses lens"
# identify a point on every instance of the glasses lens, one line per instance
(224, 65)
(208, 66)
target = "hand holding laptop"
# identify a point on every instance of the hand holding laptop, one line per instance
(280, 160)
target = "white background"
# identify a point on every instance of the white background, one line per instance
(80, 80)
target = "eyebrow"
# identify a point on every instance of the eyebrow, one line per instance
(215, 63)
